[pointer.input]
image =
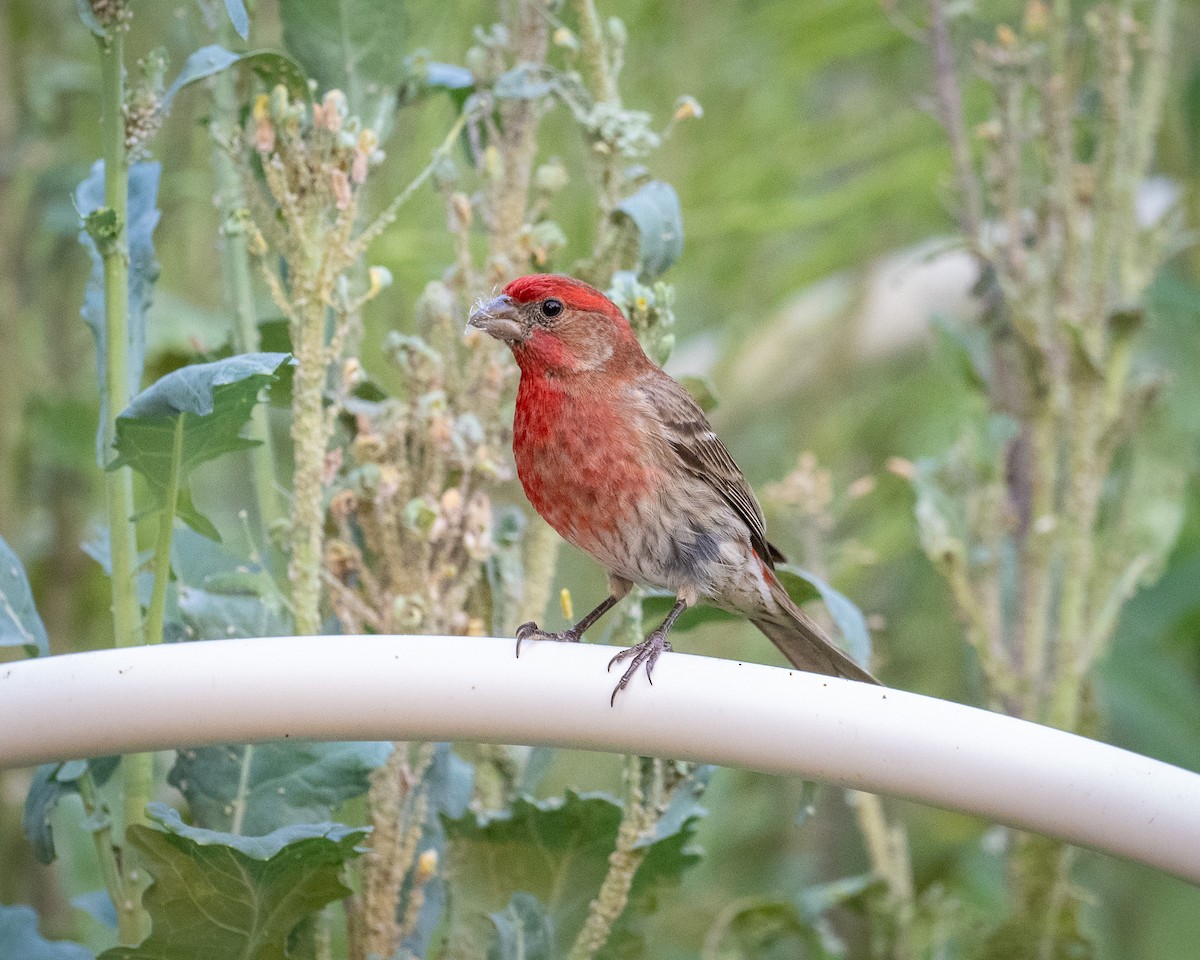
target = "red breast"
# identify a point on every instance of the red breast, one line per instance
(577, 457)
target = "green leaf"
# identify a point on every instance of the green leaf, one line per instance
(1191, 116)
(238, 896)
(219, 616)
(523, 931)
(849, 619)
(656, 604)
(143, 272)
(271, 66)
(238, 17)
(767, 930)
(51, 782)
(20, 939)
(216, 400)
(654, 211)
(351, 45)
(275, 784)
(969, 344)
(555, 849)
(20, 625)
(701, 390)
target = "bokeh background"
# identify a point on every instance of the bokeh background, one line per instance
(819, 251)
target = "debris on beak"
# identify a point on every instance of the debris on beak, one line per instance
(498, 318)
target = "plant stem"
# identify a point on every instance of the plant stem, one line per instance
(235, 267)
(623, 863)
(243, 789)
(162, 545)
(950, 113)
(595, 54)
(127, 625)
(129, 927)
(310, 438)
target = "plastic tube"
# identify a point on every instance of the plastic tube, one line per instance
(718, 711)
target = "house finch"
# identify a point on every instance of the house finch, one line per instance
(619, 459)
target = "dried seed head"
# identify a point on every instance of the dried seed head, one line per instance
(112, 14)
(342, 504)
(340, 185)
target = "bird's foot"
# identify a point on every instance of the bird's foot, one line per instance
(531, 631)
(647, 652)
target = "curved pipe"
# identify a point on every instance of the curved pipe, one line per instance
(717, 711)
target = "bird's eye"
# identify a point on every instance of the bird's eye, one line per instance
(551, 308)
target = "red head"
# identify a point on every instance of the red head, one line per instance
(556, 324)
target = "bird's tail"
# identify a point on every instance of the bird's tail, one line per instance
(803, 642)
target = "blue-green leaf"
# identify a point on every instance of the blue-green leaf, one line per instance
(143, 216)
(524, 930)
(51, 782)
(272, 66)
(20, 939)
(98, 905)
(447, 787)
(238, 17)
(20, 625)
(654, 210)
(88, 18)
(523, 82)
(273, 784)
(849, 619)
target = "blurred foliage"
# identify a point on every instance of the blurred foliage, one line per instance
(815, 161)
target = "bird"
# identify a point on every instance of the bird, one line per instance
(617, 457)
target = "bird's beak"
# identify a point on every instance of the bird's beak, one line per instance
(498, 318)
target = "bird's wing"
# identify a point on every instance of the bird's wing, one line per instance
(689, 434)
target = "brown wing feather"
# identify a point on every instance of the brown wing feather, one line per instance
(688, 432)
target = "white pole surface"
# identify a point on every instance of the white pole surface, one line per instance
(699, 708)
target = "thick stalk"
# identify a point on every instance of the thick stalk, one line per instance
(529, 27)
(239, 290)
(162, 543)
(623, 863)
(119, 483)
(1079, 514)
(309, 439)
(541, 560)
(595, 54)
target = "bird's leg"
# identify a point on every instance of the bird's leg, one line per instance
(648, 651)
(531, 631)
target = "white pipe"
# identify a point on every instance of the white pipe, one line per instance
(699, 708)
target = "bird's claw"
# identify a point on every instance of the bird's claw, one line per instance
(531, 631)
(647, 652)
